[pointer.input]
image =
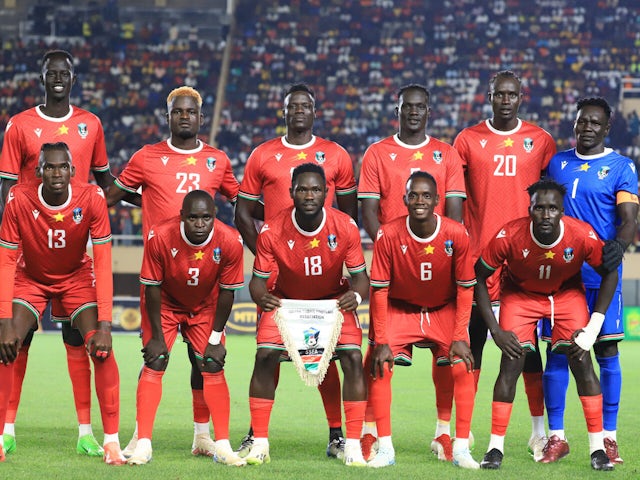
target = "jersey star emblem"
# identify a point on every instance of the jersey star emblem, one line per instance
(549, 255)
(315, 243)
(508, 142)
(199, 255)
(418, 156)
(429, 249)
(58, 217)
(191, 160)
(301, 156)
(585, 167)
(63, 130)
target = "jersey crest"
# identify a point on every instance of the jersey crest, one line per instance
(83, 130)
(211, 164)
(77, 215)
(528, 144)
(332, 241)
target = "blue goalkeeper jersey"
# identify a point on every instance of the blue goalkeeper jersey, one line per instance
(592, 183)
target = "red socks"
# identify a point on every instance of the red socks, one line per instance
(19, 370)
(535, 395)
(80, 375)
(500, 416)
(331, 394)
(260, 416)
(216, 394)
(147, 400)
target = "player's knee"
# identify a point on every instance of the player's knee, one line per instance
(211, 366)
(606, 349)
(158, 365)
(71, 336)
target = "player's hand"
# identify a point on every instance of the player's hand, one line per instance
(214, 354)
(461, 349)
(99, 345)
(155, 349)
(9, 341)
(574, 350)
(381, 354)
(508, 342)
(269, 302)
(612, 253)
(348, 302)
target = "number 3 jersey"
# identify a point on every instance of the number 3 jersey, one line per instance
(310, 264)
(499, 166)
(54, 239)
(538, 268)
(166, 174)
(188, 273)
(422, 271)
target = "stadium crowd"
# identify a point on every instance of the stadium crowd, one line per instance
(355, 54)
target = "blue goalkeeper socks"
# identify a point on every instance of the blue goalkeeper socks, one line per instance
(611, 385)
(555, 381)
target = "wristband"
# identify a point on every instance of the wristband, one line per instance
(215, 338)
(358, 298)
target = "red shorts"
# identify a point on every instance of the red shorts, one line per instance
(70, 296)
(195, 328)
(411, 325)
(520, 313)
(268, 335)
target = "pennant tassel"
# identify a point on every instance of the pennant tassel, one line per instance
(312, 327)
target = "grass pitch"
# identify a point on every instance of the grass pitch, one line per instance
(46, 425)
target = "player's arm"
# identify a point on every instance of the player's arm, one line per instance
(369, 209)
(155, 351)
(245, 209)
(114, 194)
(260, 294)
(105, 180)
(460, 344)
(9, 340)
(453, 208)
(382, 353)
(348, 203)
(613, 250)
(350, 300)
(101, 341)
(507, 341)
(584, 338)
(6, 186)
(216, 352)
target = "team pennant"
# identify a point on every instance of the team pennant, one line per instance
(310, 330)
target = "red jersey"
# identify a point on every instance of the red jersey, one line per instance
(270, 165)
(188, 273)
(387, 165)
(310, 264)
(54, 239)
(499, 166)
(166, 174)
(28, 130)
(544, 269)
(422, 271)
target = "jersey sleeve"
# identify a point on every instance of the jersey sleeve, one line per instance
(465, 274)
(381, 263)
(495, 253)
(100, 226)
(251, 185)
(229, 186)
(628, 179)
(355, 258)
(549, 150)
(462, 147)
(455, 176)
(262, 264)
(11, 158)
(232, 274)
(593, 247)
(132, 177)
(9, 240)
(152, 270)
(369, 186)
(345, 181)
(99, 159)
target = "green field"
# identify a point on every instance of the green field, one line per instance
(47, 433)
